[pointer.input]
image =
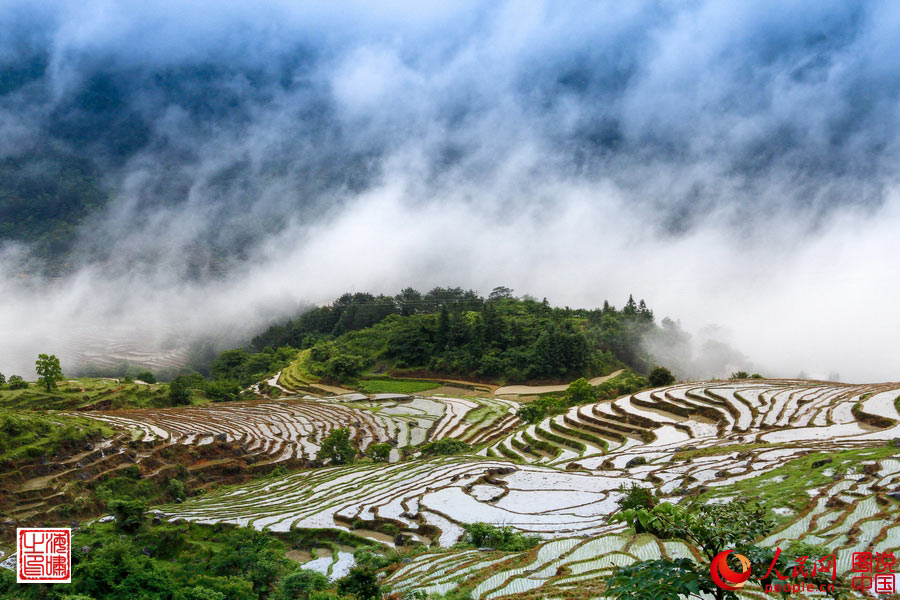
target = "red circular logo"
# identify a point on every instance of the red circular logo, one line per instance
(722, 574)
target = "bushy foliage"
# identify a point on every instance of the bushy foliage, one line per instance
(33, 433)
(636, 497)
(485, 535)
(660, 376)
(338, 448)
(663, 579)
(552, 404)
(242, 368)
(301, 584)
(145, 376)
(455, 331)
(16, 382)
(48, 370)
(579, 392)
(711, 528)
(360, 583)
(180, 390)
(379, 452)
(129, 514)
(444, 447)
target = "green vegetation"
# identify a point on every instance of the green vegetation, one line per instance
(244, 368)
(660, 376)
(48, 371)
(453, 332)
(16, 382)
(711, 528)
(338, 448)
(96, 394)
(395, 386)
(195, 562)
(662, 579)
(485, 535)
(379, 452)
(580, 392)
(146, 377)
(28, 435)
(785, 486)
(44, 195)
(443, 447)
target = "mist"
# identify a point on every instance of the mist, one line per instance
(735, 166)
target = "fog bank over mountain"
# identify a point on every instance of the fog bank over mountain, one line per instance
(175, 172)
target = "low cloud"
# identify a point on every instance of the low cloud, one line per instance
(734, 166)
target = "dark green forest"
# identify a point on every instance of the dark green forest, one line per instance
(451, 332)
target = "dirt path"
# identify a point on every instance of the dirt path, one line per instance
(520, 390)
(331, 389)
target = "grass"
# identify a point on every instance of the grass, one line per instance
(86, 392)
(28, 435)
(395, 386)
(787, 485)
(717, 450)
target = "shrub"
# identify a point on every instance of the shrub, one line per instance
(485, 535)
(129, 514)
(175, 488)
(17, 383)
(343, 366)
(180, 391)
(146, 377)
(660, 376)
(444, 447)
(361, 583)
(379, 452)
(300, 584)
(636, 497)
(580, 392)
(338, 447)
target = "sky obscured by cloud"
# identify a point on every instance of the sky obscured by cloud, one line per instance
(733, 164)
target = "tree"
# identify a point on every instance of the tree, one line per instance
(180, 391)
(580, 392)
(146, 377)
(379, 452)
(343, 366)
(740, 375)
(2, 378)
(500, 293)
(338, 447)
(129, 514)
(660, 376)
(360, 583)
(409, 301)
(711, 528)
(443, 331)
(17, 383)
(48, 370)
(300, 584)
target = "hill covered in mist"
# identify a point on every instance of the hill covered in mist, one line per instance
(202, 171)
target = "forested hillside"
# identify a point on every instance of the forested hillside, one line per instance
(451, 331)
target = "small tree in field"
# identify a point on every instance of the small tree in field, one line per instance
(580, 392)
(338, 447)
(660, 376)
(48, 370)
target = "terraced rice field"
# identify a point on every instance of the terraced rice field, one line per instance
(294, 428)
(111, 348)
(819, 453)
